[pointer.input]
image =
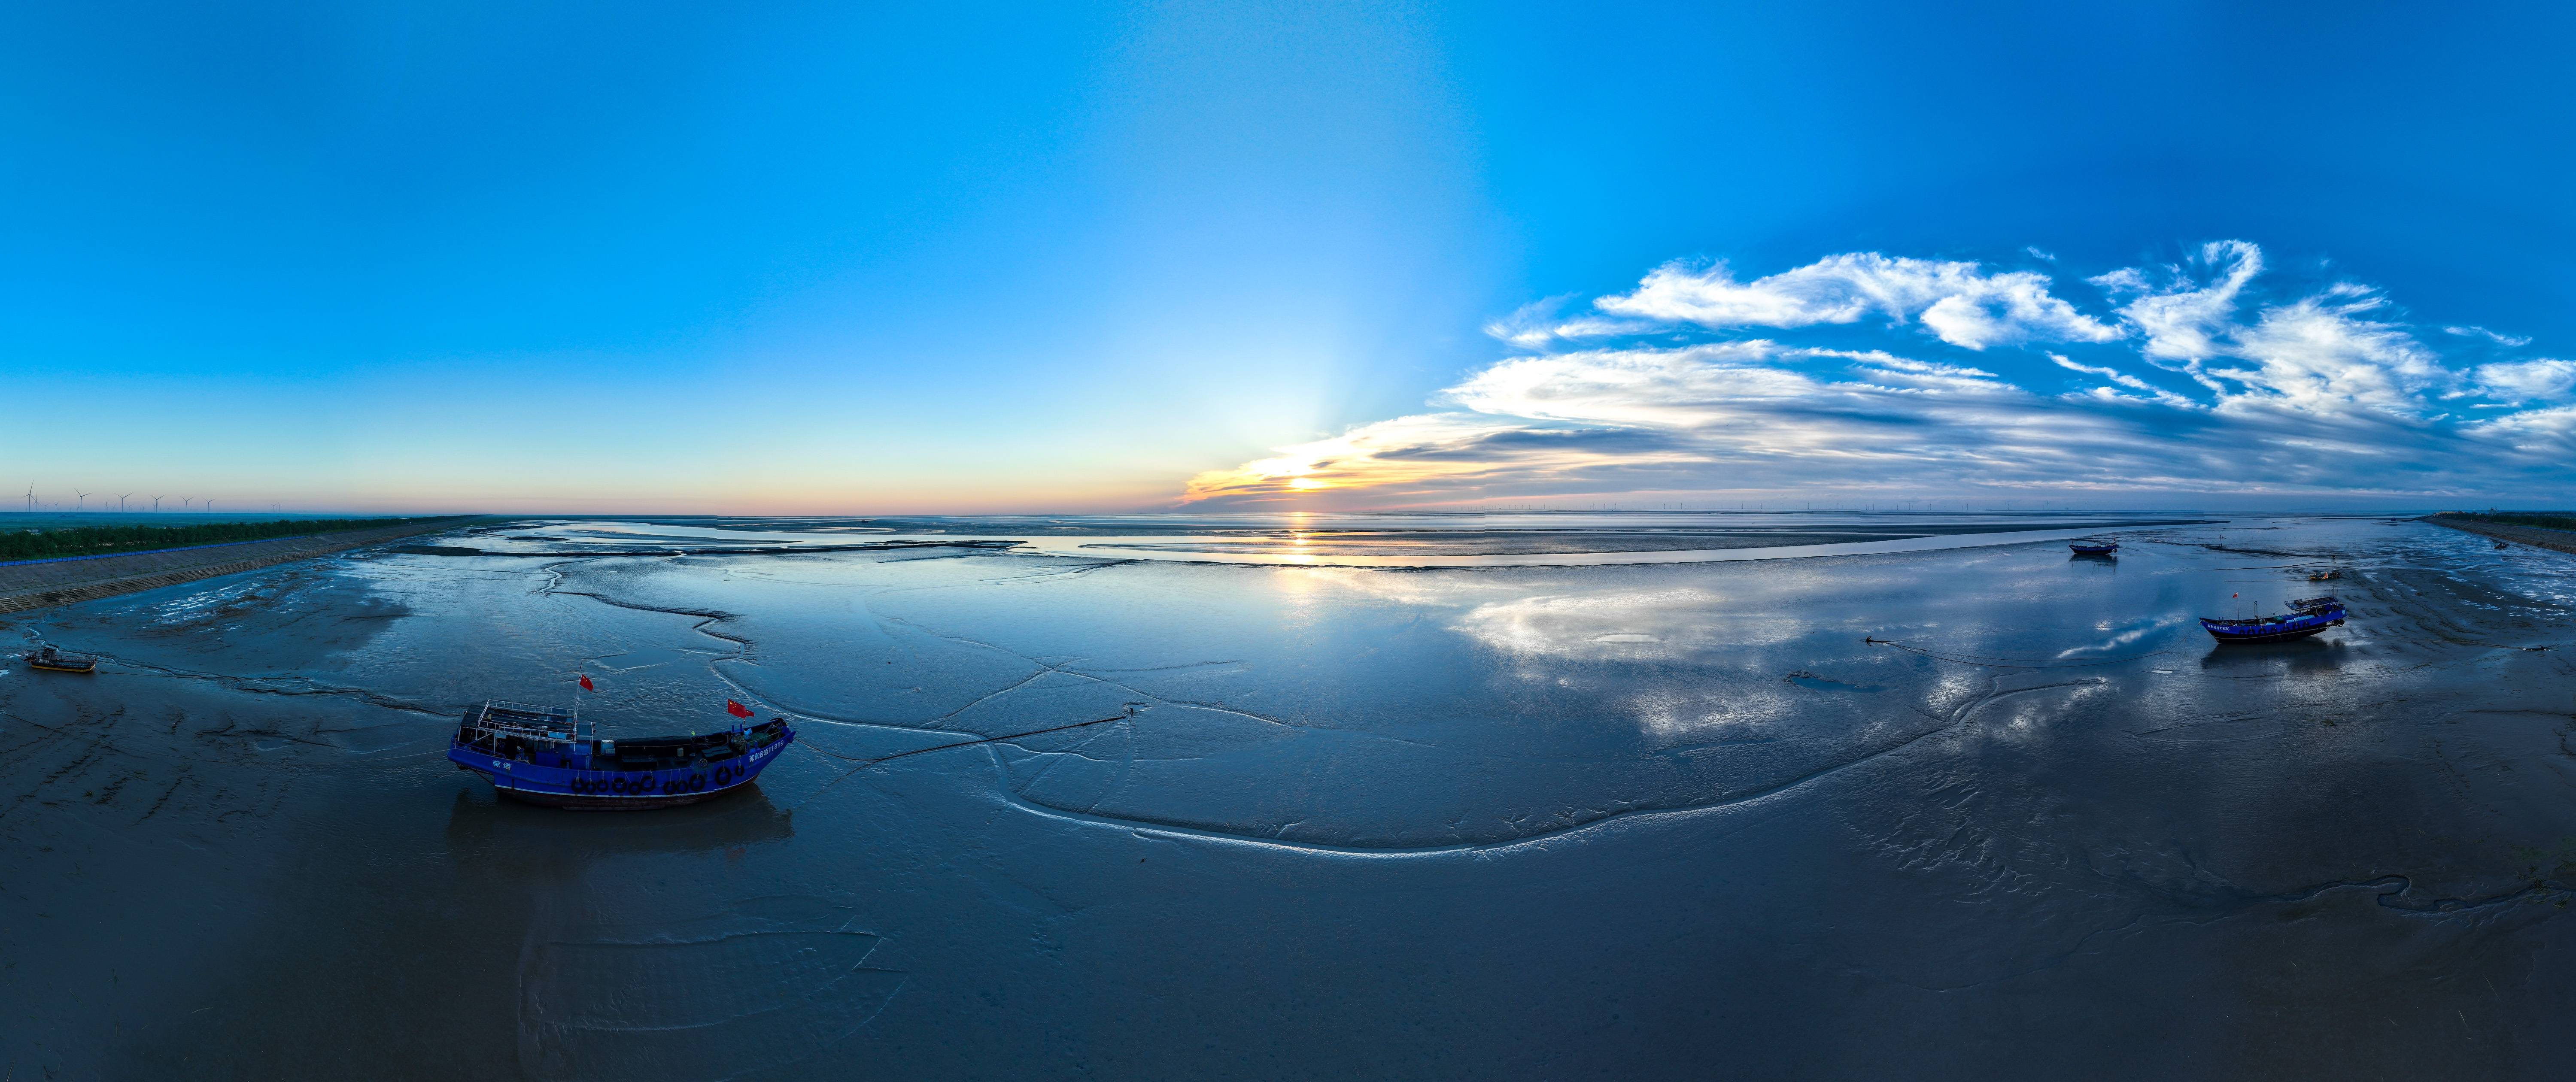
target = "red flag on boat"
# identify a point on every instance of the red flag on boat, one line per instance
(737, 709)
(585, 683)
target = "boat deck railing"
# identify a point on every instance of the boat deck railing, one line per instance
(525, 708)
(500, 717)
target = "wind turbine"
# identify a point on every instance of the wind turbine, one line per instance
(83, 505)
(31, 497)
(156, 505)
(183, 504)
(120, 500)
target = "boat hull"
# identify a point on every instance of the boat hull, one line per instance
(2268, 635)
(609, 803)
(618, 790)
(2094, 550)
(53, 667)
(2279, 633)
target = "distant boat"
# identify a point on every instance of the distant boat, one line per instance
(2095, 548)
(2325, 573)
(547, 755)
(53, 660)
(2307, 616)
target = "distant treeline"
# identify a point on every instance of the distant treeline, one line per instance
(99, 540)
(2547, 520)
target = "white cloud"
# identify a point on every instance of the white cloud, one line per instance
(2526, 381)
(2317, 355)
(1656, 388)
(2152, 392)
(1539, 325)
(1530, 326)
(2322, 391)
(1702, 416)
(2181, 308)
(2541, 440)
(2514, 341)
(1956, 301)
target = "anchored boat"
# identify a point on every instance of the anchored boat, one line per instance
(53, 660)
(548, 755)
(2307, 616)
(2094, 548)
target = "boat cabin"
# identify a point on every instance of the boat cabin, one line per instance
(552, 736)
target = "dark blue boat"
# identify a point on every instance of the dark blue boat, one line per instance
(2094, 548)
(546, 755)
(2307, 616)
(58, 661)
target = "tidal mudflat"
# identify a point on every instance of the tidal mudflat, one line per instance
(1626, 820)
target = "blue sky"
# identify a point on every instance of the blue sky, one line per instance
(827, 258)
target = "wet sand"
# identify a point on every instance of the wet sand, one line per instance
(34, 584)
(1639, 820)
(2555, 540)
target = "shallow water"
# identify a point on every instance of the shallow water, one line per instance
(1633, 819)
(1526, 539)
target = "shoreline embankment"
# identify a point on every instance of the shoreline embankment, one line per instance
(63, 582)
(2556, 540)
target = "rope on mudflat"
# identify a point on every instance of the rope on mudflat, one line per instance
(2010, 662)
(865, 763)
(2504, 645)
(100, 739)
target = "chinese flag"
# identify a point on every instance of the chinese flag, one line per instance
(737, 709)
(585, 683)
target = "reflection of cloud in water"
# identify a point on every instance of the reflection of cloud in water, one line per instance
(2016, 715)
(1657, 624)
(2127, 635)
(1680, 624)
(1732, 714)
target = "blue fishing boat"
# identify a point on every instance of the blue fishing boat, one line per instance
(547, 755)
(54, 660)
(2307, 616)
(2094, 548)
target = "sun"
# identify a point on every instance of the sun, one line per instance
(1307, 484)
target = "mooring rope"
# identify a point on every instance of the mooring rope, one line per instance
(865, 763)
(2010, 662)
